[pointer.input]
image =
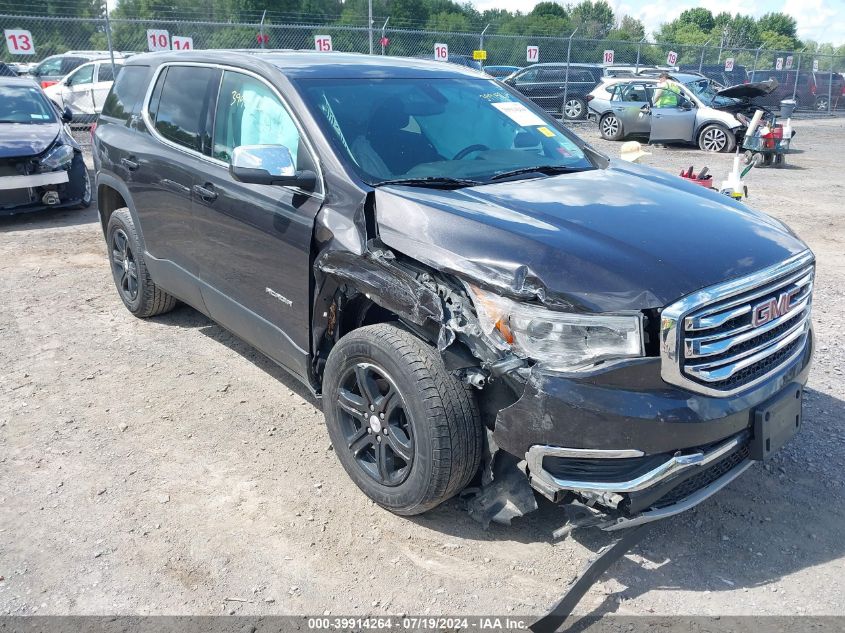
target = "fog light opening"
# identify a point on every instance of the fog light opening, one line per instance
(51, 198)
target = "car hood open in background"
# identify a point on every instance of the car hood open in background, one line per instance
(624, 238)
(749, 91)
(21, 139)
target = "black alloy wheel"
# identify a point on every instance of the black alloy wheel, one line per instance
(124, 266)
(375, 424)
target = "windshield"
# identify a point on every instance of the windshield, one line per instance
(703, 89)
(24, 104)
(457, 129)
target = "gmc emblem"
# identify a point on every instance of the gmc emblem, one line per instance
(766, 311)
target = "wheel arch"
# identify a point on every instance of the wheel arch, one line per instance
(700, 126)
(113, 194)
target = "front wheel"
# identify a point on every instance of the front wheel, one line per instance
(610, 127)
(822, 104)
(575, 108)
(716, 138)
(406, 431)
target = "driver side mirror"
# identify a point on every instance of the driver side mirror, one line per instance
(67, 115)
(269, 165)
(685, 104)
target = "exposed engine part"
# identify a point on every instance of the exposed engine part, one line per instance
(475, 377)
(51, 198)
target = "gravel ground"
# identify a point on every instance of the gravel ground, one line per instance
(164, 467)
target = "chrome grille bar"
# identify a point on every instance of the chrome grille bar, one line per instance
(715, 341)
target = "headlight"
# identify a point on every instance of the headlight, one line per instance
(561, 341)
(56, 158)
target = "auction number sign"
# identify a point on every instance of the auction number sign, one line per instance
(532, 54)
(19, 42)
(815, 65)
(608, 57)
(672, 58)
(181, 43)
(779, 63)
(441, 52)
(729, 64)
(323, 43)
(158, 40)
(788, 62)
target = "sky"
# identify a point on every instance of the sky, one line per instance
(819, 20)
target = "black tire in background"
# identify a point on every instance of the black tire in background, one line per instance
(138, 292)
(406, 431)
(79, 185)
(610, 127)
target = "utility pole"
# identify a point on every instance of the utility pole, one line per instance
(701, 61)
(261, 28)
(108, 39)
(639, 46)
(370, 23)
(383, 27)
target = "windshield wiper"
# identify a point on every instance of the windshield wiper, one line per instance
(548, 170)
(432, 181)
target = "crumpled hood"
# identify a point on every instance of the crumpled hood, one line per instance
(750, 90)
(623, 238)
(21, 140)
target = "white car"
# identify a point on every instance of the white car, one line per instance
(714, 120)
(85, 89)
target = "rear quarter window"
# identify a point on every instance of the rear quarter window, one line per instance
(181, 116)
(125, 96)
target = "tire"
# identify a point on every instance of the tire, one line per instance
(610, 127)
(430, 429)
(716, 138)
(138, 292)
(574, 109)
(79, 170)
(821, 104)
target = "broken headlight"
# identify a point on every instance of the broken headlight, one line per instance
(562, 341)
(56, 158)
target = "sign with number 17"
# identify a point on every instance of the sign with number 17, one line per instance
(19, 42)
(532, 54)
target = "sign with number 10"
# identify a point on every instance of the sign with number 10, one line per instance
(158, 40)
(19, 42)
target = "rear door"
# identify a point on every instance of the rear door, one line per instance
(631, 104)
(103, 80)
(254, 241)
(164, 162)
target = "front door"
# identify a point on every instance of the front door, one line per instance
(77, 92)
(672, 119)
(254, 241)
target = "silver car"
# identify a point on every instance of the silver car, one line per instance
(625, 107)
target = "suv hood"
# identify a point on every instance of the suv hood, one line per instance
(624, 238)
(19, 140)
(749, 91)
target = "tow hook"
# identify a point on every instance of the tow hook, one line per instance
(51, 198)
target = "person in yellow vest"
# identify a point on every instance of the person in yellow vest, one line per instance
(666, 93)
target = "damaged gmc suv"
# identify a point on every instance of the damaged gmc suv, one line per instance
(476, 294)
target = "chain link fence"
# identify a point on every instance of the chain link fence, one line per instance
(810, 78)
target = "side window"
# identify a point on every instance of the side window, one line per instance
(105, 71)
(182, 108)
(49, 67)
(69, 64)
(85, 75)
(250, 113)
(637, 93)
(126, 92)
(527, 77)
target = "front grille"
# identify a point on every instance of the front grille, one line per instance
(717, 347)
(704, 478)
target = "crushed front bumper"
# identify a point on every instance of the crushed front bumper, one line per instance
(634, 448)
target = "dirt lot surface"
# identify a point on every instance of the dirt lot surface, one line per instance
(164, 467)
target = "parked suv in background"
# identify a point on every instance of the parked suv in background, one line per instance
(717, 73)
(52, 69)
(546, 85)
(460, 278)
(85, 89)
(811, 92)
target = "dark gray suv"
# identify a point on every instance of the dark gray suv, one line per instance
(465, 284)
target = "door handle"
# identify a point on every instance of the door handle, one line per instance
(130, 163)
(206, 192)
